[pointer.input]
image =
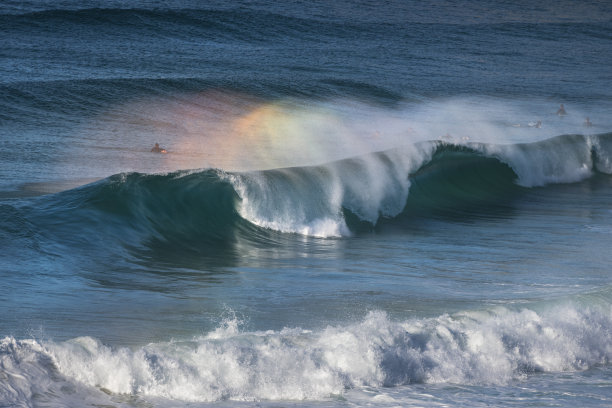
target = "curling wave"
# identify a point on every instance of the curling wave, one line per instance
(209, 207)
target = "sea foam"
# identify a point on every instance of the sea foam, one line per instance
(496, 346)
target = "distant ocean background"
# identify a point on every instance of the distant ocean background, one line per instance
(363, 203)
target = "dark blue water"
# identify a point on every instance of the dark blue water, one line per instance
(361, 204)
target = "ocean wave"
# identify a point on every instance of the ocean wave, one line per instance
(204, 208)
(490, 347)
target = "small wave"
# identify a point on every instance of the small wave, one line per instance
(473, 348)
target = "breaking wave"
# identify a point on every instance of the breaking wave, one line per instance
(211, 207)
(487, 347)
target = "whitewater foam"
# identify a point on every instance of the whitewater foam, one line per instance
(481, 347)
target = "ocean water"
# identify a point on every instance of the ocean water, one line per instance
(357, 208)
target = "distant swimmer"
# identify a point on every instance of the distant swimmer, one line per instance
(561, 111)
(158, 149)
(588, 123)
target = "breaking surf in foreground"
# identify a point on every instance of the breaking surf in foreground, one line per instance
(498, 347)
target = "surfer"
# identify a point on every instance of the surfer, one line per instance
(537, 124)
(158, 149)
(561, 111)
(587, 122)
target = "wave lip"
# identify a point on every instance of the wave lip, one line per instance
(493, 347)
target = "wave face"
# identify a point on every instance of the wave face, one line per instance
(492, 347)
